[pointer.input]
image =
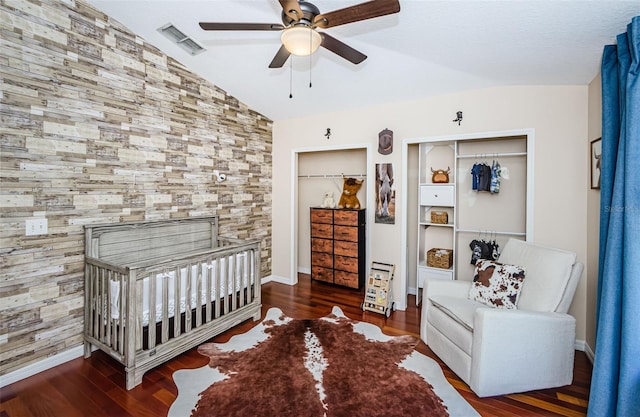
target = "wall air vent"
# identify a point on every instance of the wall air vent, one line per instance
(181, 39)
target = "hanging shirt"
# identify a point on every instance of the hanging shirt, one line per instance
(484, 178)
(476, 251)
(495, 177)
(475, 176)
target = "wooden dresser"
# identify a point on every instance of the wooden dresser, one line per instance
(338, 246)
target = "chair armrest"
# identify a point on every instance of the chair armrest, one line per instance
(518, 350)
(433, 287)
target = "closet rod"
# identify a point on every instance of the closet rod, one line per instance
(496, 232)
(333, 176)
(494, 155)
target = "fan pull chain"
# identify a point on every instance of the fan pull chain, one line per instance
(291, 77)
(310, 66)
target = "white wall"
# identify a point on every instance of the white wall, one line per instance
(558, 115)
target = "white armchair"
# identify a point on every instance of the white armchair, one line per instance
(501, 351)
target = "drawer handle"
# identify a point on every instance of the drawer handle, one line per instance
(435, 195)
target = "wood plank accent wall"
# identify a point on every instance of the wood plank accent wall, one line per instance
(98, 126)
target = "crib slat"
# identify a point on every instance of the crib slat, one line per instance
(107, 316)
(219, 295)
(165, 306)
(101, 309)
(241, 279)
(132, 320)
(199, 299)
(187, 300)
(176, 302)
(123, 309)
(232, 281)
(208, 295)
(152, 311)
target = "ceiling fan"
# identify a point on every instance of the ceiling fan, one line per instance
(300, 20)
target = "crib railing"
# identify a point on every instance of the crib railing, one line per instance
(157, 308)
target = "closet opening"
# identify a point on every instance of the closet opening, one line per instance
(321, 171)
(486, 200)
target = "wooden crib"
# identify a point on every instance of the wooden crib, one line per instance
(155, 289)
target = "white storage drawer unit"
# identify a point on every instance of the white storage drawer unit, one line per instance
(433, 273)
(436, 195)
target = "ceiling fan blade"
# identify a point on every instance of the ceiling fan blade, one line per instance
(342, 49)
(281, 57)
(362, 11)
(291, 8)
(241, 26)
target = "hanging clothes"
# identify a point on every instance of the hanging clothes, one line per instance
(475, 176)
(496, 171)
(481, 177)
(484, 249)
(495, 250)
(484, 180)
(476, 251)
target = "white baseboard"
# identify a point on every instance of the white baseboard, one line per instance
(589, 352)
(41, 366)
(275, 278)
(304, 270)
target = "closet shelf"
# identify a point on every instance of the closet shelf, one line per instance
(436, 224)
(495, 232)
(491, 155)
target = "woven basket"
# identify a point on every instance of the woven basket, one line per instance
(439, 217)
(440, 258)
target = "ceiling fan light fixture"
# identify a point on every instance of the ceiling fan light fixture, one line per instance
(301, 40)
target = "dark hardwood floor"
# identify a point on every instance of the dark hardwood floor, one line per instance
(95, 387)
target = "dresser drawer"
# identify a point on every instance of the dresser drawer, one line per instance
(322, 274)
(436, 195)
(348, 279)
(321, 245)
(345, 233)
(322, 259)
(341, 247)
(345, 263)
(346, 217)
(321, 216)
(322, 230)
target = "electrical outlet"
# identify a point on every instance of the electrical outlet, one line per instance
(36, 227)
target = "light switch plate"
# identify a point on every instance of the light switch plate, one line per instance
(36, 227)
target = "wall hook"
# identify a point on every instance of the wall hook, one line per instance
(458, 117)
(328, 134)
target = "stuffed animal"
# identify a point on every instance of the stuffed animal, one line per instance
(328, 202)
(349, 199)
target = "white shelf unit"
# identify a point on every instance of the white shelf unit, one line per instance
(471, 214)
(440, 197)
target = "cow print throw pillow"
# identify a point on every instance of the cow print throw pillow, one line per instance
(497, 285)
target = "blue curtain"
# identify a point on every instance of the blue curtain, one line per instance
(615, 383)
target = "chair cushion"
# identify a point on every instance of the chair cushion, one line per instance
(548, 272)
(496, 284)
(459, 309)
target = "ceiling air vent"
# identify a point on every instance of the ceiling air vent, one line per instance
(181, 39)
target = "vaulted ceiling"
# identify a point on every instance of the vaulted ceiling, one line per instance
(428, 48)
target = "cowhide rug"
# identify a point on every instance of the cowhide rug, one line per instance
(332, 366)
